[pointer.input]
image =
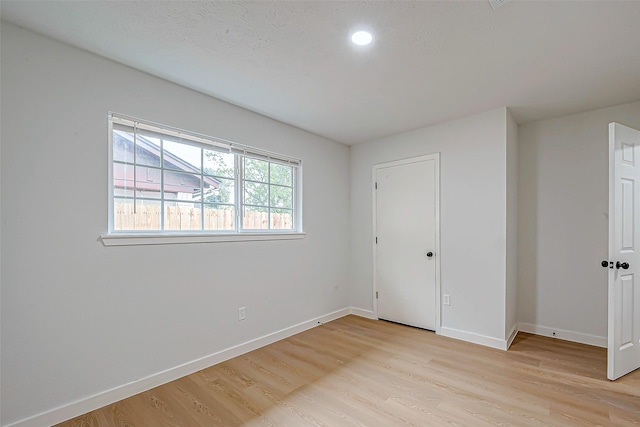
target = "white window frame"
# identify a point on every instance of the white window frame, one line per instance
(153, 237)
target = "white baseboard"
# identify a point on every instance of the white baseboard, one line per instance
(512, 335)
(113, 395)
(363, 313)
(474, 338)
(563, 334)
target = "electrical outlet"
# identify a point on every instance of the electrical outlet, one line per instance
(242, 313)
(446, 300)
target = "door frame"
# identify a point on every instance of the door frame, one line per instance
(436, 158)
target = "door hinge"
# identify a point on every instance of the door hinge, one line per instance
(376, 185)
(376, 240)
(376, 294)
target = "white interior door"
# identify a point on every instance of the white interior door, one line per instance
(406, 249)
(623, 353)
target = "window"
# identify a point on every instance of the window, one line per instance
(267, 190)
(165, 180)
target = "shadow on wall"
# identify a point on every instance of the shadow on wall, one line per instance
(528, 200)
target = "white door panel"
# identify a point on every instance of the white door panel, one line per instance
(406, 232)
(623, 354)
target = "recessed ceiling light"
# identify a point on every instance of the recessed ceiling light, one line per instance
(361, 38)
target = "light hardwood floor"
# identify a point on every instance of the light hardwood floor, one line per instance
(359, 372)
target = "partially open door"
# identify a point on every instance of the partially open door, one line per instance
(623, 355)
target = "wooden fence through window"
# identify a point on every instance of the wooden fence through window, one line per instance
(185, 218)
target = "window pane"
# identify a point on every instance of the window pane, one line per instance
(181, 186)
(219, 190)
(122, 146)
(182, 157)
(256, 170)
(219, 217)
(281, 197)
(219, 164)
(254, 218)
(256, 194)
(145, 217)
(147, 181)
(182, 216)
(281, 219)
(147, 149)
(281, 174)
(122, 179)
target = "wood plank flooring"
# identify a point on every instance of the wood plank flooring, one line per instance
(360, 372)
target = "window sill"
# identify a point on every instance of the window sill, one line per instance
(131, 239)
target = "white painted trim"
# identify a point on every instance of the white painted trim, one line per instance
(611, 275)
(110, 176)
(512, 335)
(436, 158)
(438, 254)
(363, 313)
(374, 232)
(474, 338)
(130, 239)
(563, 334)
(108, 397)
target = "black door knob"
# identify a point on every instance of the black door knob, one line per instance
(605, 264)
(622, 265)
(429, 254)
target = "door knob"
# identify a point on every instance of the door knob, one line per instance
(622, 265)
(429, 254)
(605, 264)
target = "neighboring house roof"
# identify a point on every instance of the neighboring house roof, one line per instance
(180, 176)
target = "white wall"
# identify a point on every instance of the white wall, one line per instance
(79, 318)
(511, 318)
(0, 263)
(563, 225)
(472, 217)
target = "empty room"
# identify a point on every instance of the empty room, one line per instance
(319, 213)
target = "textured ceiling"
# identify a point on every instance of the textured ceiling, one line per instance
(431, 61)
